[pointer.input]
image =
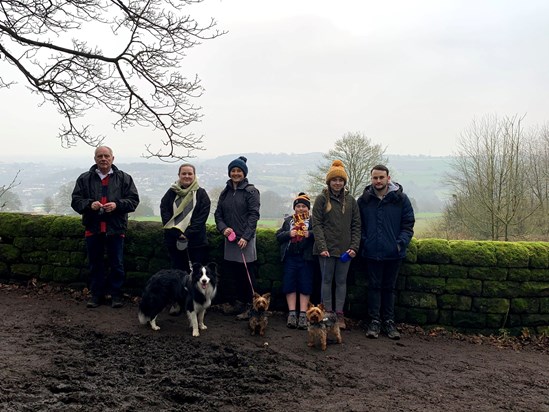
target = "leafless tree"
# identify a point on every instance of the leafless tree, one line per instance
(4, 189)
(538, 178)
(358, 154)
(49, 204)
(488, 178)
(11, 202)
(214, 193)
(62, 200)
(273, 205)
(145, 207)
(137, 79)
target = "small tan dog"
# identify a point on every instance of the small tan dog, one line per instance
(258, 313)
(320, 326)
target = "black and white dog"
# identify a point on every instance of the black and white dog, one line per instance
(201, 287)
(164, 288)
(193, 292)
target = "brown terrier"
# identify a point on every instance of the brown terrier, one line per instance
(320, 326)
(258, 313)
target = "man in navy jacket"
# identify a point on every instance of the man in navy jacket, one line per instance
(387, 228)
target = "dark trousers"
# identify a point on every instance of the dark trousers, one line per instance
(382, 276)
(236, 283)
(180, 258)
(100, 280)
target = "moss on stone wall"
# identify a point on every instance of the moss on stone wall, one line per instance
(472, 285)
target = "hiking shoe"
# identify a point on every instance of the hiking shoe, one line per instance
(302, 322)
(390, 329)
(244, 315)
(94, 302)
(373, 329)
(292, 320)
(117, 302)
(341, 320)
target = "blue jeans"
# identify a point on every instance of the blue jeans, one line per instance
(382, 276)
(113, 245)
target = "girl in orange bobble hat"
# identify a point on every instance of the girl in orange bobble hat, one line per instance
(337, 237)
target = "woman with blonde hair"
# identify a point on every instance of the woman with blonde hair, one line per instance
(184, 210)
(337, 237)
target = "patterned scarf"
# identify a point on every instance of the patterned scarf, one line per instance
(183, 206)
(299, 222)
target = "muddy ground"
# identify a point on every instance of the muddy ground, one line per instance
(56, 355)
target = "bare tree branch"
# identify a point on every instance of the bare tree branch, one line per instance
(139, 82)
(4, 189)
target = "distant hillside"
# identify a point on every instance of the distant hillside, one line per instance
(423, 178)
(282, 173)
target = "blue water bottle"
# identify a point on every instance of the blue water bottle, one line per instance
(345, 257)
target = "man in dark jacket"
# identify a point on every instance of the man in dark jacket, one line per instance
(104, 196)
(387, 228)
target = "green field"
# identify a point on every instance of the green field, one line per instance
(266, 223)
(423, 222)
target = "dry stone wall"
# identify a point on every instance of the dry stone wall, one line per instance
(477, 286)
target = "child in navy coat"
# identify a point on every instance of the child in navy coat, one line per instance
(296, 248)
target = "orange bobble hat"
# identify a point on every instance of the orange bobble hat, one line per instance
(336, 170)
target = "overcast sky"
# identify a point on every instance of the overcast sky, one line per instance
(296, 75)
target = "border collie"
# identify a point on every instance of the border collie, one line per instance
(201, 287)
(193, 292)
(164, 288)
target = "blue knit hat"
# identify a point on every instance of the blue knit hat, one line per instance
(241, 164)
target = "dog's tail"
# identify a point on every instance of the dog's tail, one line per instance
(143, 318)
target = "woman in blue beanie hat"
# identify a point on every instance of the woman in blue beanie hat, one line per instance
(337, 238)
(241, 164)
(236, 218)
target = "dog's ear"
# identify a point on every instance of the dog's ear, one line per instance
(321, 306)
(310, 305)
(267, 295)
(212, 266)
(256, 295)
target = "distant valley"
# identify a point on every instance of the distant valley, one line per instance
(283, 174)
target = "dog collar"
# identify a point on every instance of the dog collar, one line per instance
(255, 313)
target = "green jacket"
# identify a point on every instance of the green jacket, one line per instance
(336, 230)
